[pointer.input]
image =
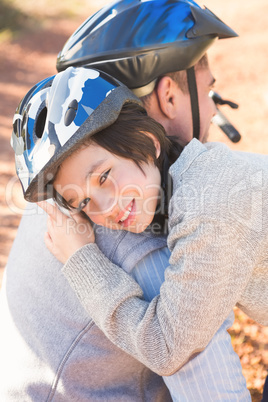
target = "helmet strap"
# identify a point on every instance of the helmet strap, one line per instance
(194, 101)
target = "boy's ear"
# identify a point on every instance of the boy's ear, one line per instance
(156, 144)
(167, 93)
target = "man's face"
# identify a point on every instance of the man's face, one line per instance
(182, 126)
(207, 109)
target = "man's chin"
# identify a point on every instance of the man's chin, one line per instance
(204, 138)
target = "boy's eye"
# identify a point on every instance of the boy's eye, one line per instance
(104, 176)
(83, 204)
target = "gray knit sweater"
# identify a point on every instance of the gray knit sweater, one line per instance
(218, 238)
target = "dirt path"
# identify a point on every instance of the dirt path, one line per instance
(240, 68)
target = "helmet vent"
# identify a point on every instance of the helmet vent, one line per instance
(40, 123)
(71, 112)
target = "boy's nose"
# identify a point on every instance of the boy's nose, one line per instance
(105, 204)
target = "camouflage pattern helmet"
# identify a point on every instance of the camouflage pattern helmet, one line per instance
(54, 118)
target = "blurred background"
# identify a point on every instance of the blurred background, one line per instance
(31, 35)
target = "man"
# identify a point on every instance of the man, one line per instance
(57, 353)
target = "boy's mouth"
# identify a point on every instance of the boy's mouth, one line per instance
(126, 216)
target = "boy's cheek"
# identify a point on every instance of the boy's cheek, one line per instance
(97, 219)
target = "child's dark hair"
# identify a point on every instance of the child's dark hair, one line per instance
(127, 137)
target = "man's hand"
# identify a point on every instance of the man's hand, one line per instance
(65, 235)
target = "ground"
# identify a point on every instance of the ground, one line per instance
(239, 65)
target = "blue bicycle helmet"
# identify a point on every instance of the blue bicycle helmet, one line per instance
(54, 118)
(138, 41)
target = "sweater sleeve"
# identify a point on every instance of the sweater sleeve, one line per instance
(202, 284)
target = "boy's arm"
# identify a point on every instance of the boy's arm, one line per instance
(195, 299)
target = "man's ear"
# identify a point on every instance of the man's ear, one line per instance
(167, 92)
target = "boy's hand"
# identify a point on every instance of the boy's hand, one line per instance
(65, 235)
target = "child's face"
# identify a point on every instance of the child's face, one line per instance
(113, 191)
